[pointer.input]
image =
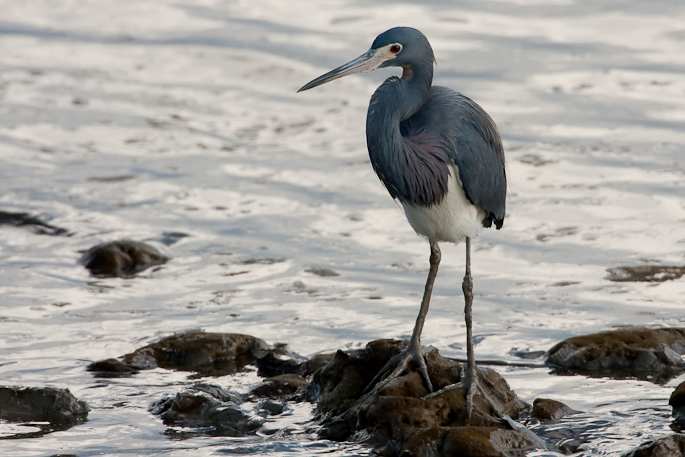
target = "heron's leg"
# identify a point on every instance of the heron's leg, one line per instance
(413, 351)
(471, 372)
(470, 378)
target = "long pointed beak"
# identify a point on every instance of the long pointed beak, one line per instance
(366, 62)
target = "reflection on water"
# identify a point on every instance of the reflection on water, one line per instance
(177, 124)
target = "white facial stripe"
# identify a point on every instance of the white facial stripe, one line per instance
(385, 54)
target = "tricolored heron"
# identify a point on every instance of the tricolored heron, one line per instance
(440, 155)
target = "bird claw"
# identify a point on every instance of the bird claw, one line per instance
(472, 387)
(413, 353)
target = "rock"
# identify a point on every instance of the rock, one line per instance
(42, 404)
(209, 354)
(677, 402)
(271, 407)
(567, 438)
(315, 363)
(217, 392)
(199, 408)
(123, 259)
(669, 446)
(550, 410)
(320, 271)
(397, 419)
(279, 361)
(650, 354)
(112, 368)
(468, 441)
(280, 386)
(645, 273)
(35, 223)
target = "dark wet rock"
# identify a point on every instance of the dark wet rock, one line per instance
(35, 223)
(199, 408)
(644, 353)
(319, 271)
(279, 361)
(271, 407)
(550, 410)
(670, 446)
(123, 258)
(645, 273)
(112, 368)
(59, 407)
(209, 354)
(317, 362)
(217, 392)
(398, 420)
(677, 402)
(284, 385)
(468, 441)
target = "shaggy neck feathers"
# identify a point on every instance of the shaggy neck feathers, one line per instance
(408, 161)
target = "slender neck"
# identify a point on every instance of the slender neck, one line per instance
(396, 100)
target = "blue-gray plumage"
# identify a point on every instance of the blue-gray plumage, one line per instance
(436, 125)
(440, 155)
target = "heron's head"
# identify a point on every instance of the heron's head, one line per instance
(397, 47)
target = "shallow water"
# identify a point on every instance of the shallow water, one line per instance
(177, 123)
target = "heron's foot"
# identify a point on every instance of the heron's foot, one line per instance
(472, 387)
(398, 364)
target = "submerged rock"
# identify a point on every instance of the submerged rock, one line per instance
(650, 354)
(123, 259)
(677, 402)
(284, 385)
(320, 271)
(550, 410)
(270, 407)
(670, 446)
(35, 223)
(209, 354)
(398, 419)
(42, 404)
(645, 273)
(207, 406)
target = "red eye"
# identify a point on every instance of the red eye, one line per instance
(395, 48)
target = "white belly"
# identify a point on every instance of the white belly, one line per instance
(454, 219)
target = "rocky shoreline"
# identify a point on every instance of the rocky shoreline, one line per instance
(399, 419)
